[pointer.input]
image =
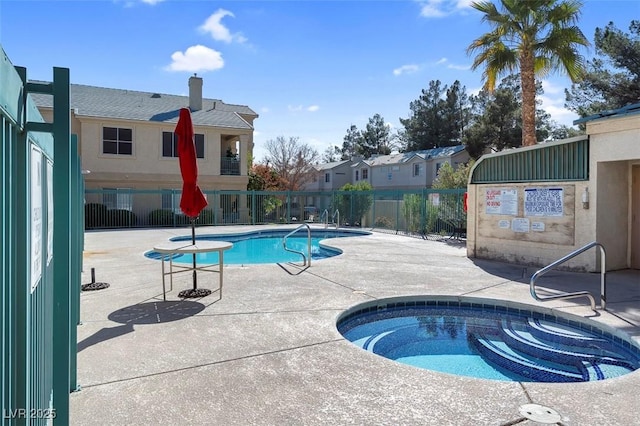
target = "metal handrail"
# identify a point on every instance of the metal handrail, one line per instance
(325, 214)
(336, 213)
(284, 243)
(603, 278)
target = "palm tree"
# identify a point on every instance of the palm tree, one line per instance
(535, 36)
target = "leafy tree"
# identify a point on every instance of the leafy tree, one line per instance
(456, 113)
(351, 142)
(331, 154)
(497, 119)
(438, 117)
(563, 132)
(354, 201)
(612, 79)
(291, 160)
(376, 138)
(534, 36)
(448, 178)
(264, 178)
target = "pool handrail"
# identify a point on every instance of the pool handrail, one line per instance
(570, 295)
(336, 213)
(325, 215)
(304, 258)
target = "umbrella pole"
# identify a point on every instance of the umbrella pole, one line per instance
(193, 241)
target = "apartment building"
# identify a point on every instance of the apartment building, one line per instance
(409, 170)
(126, 139)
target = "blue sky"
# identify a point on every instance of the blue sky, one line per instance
(310, 69)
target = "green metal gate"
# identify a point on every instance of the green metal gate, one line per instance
(41, 206)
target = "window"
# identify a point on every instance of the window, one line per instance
(365, 174)
(357, 175)
(170, 144)
(118, 198)
(117, 141)
(416, 169)
(438, 165)
(327, 177)
(171, 200)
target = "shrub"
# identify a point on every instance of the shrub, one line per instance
(354, 201)
(182, 219)
(206, 217)
(121, 218)
(95, 215)
(383, 222)
(161, 217)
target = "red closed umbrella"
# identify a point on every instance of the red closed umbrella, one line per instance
(192, 200)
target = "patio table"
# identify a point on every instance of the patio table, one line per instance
(172, 249)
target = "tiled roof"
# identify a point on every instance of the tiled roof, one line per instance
(328, 166)
(120, 104)
(446, 151)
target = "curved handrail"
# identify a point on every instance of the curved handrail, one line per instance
(325, 214)
(336, 213)
(304, 258)
(603, 278)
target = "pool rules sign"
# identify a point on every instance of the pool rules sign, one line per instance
(36, 216)
(544, 202)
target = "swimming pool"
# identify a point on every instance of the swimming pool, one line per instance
(265, 246)
(489, 339)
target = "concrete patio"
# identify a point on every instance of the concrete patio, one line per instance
(268, 352)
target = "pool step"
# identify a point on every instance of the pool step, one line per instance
(557, 333)
(500, 353)
(574, 353)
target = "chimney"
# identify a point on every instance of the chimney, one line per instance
(195, 93)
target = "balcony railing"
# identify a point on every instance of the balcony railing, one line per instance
(229, 167)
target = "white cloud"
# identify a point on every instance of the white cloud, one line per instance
(554, 106)
(196, 59)
(442, 8)
(553, 101)
(445, 61)
(296, 108)
(214, 27)
(550, 87)
(406, 69)
(432, 9)
(459, 67)
(152, 2)
(265, 110)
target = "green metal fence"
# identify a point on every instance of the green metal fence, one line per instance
(426, 212)
(41, 265)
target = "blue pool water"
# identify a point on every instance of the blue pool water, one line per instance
(266, 246)
(477, 339)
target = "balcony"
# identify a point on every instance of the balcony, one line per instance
(229, 167)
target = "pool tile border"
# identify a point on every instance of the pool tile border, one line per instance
(382, 306)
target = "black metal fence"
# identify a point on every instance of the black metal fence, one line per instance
(426, 212)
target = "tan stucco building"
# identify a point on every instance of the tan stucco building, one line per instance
(126, 140)
(537, 204)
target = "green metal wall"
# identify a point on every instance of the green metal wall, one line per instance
(566, 161)
(41, 265)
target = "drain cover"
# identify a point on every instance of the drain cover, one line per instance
(540, 413)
